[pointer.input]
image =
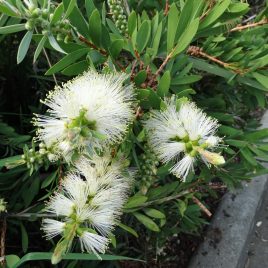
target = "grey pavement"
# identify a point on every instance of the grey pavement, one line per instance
(258, 244)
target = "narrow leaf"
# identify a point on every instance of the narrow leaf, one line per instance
(12, 28)
(39, 47)
(55, 44)
(67, 60)
(186, 37)
(24, 46)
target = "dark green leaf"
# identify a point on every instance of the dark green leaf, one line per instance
(128, 229)
(67, 60)
(95, 29)
(215, 13)
(186, 37)
(143, 36)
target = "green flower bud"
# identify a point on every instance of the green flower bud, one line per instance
(66, 39)
(36, 12)
(29, 25)
(32, 159)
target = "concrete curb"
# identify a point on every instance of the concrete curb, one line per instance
(227, 238)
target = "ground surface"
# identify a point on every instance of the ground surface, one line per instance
(258, 245)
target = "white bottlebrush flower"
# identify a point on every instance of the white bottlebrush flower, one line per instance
(52, 228)
(181, 135)
(91, 111)
(95, 243)
(91, 198)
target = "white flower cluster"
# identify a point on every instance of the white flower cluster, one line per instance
(181, 135)
(86, 116)
(89, 112)
(88, 205)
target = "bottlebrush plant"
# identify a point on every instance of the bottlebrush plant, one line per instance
(144, 106)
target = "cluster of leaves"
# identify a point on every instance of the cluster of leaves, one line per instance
(202, 50)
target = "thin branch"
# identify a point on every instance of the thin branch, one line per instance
(88, 43)
(197, 51)
(250, 25)
(166, 8)
(160, 69)
(166, 199)
(3, 241)
(50, 65)
(202, 207)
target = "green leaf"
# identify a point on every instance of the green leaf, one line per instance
(132, 22)
(31, 192)
(12, 260)
(8, 9)
(49, 179)
(236, 143)
(186, 37)
(10, 160)
(181, 206)
(184, 93)
(90, 7)
(24, 46)
(215, 13)
(140, 77)
(262, 79)
(116, 48)
(53, 42)
(143, 94)
(37, 256)
(147, 222)
(128, 229)
(190, 11)
(39, 47)
(238, 7)
(156, 39)
(230, 131)
(154, 213)
(95, 27)
(24, 238)
(173, 20)
(143, 36)
(248, 156)
(12, 28)
(70, 8)
(164, 84)
(257, 135)
(135, 201)
(216, 70)
(57, 13)
(76, 68)
(79, 22)
(189, 79)
(67, 60)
